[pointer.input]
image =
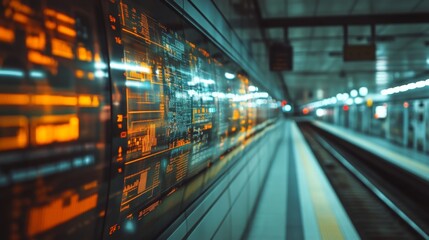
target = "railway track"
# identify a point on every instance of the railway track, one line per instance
(382, 200)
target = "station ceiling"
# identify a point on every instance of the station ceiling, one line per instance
(315, 31)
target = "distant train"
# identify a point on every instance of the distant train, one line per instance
(114, 116)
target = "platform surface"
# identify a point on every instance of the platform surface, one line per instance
(414, 162)
(297, 201)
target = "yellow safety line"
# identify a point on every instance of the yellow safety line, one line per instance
(327, 221)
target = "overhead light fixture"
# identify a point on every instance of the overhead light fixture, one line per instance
(253, 88)
(363, 91)
(354, 93)
(129, 67)
(405, 87)
(229, 75)
(381, 78)
(381, 65)
(11, 73)
(287, 108)
(358, 100)
(349, 101)
(320, 112)
(38, 74)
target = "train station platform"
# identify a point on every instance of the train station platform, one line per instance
(297, 201)
(412, 161)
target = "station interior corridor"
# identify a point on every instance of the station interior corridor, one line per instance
(220, 119)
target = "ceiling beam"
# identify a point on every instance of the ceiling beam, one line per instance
(258, 14)
(373, 19)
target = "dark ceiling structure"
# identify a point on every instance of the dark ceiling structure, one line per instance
(316, 30)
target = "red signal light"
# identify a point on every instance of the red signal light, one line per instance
(346, 108)
(305, 111)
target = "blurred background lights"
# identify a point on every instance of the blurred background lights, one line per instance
(253, 88)
(229, 75)
(320, 112)
(349, 101)
(363, 91)
(287, 108)
(358, 100)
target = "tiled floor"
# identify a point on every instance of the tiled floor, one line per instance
(270, 217)
(297, 201)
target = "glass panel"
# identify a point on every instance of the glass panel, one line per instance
(53, 113)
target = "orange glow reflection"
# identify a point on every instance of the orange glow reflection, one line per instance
(66, 31)
(36, 41)
(59, 16)
(14, 99)
(7, 35)
(50, 24)
(21, 18)
(53, 100)
(17, 6)
(62, 48)
(38, 58)
(58, 212)
(49, 100)
(55, 129)
(84, 54)
(65, 18)
(89, 101)
(20, 137)
(79, 73)
(305, 111)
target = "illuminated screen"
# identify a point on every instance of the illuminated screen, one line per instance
(113, 117)
(54, 110)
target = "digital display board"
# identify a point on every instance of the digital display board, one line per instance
(111, 112)
(54, 109)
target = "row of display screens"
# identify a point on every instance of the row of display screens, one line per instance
(111, 114)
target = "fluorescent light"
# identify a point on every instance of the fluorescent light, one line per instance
(287, 108)
(129, 67)
(253, 89)
(339, 96)
(420, 84)
(37, 74)
(229, 75)
(405, 87)
(381, 78)
(411, 86)
(192, 92)
(100, 65)
(132, 83)
(363, 91)
(358, 100)
(320, 112)
(197, 80)
(349, 101)
(11, 73)
(381, 65)
(100, 74)
(380, 112)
